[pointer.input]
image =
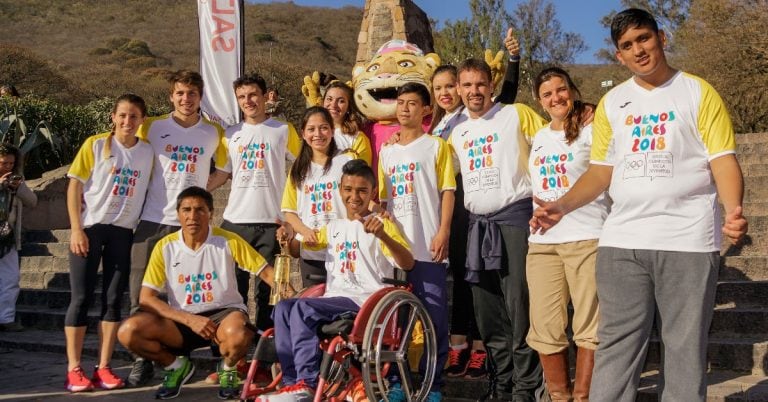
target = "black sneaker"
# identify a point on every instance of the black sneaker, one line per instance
(476, 367)
(141, 373)
(457, 362)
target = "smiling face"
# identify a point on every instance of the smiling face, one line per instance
(475, 89)
(356, 192)
(194, 216)
(336, 102)
(555, 98)
(318, 133)
(445, 90)
(252, 102)
(127, 118)
(641, 50)
(185, 99)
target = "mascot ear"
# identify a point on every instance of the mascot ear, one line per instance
(433, 60)
(359, 69)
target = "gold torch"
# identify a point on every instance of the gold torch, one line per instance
(282, 276)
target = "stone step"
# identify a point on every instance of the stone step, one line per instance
(750, 158)
(742, 294)
(751, 138)
(55, 249)
(46, 236)
(751, 148)
(755, 208)
(754, 169)
(53, 318)
(738, 322)
(744, 268)
(58, 298)
(745, 355)
(722, 386)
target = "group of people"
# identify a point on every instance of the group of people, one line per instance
(615, 202)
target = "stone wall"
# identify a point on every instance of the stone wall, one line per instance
(384, 20)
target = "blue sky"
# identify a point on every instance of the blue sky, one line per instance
(581, 16)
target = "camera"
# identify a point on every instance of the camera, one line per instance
(16, 178)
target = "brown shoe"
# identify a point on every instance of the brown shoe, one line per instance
(555, 368)
(585, 362)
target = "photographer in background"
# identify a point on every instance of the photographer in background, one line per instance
(14, 194)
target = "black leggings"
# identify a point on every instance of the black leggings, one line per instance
(109, 245)
(462, 311)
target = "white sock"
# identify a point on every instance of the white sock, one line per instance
(460, 347)
(175, 365)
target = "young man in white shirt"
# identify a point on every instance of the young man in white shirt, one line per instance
(663, 146)
(257, 151)
(416, 186)
(492, 144)
(185, 144)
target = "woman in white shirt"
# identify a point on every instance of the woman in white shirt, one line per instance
(560, 266)
(107, 186)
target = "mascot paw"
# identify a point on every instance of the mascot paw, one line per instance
(496, 62)
(311, 90)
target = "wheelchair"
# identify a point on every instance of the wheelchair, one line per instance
(362, 352)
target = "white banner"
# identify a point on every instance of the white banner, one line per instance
(221, 56)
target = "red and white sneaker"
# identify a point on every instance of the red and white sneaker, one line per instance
(299, 392)
(105, 378)
(77, 381)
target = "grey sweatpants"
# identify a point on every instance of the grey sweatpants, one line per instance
(631, 286)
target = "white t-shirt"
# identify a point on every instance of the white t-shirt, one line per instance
(256, 155)
(204, 279)
(182, 159)
(113, 188)
(317, 200)
(411, 181)
(555, 166)
(493, 152)
(659, 143)
(357, 261)
(359, 144)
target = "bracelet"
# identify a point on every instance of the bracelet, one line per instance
(514, 59)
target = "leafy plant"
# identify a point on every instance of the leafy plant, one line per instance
(14, 131)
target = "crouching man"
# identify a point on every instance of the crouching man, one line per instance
(196, 267)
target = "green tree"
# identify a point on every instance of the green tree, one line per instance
(469, 37)
(542, 39)
(670, 15)
(725, 42)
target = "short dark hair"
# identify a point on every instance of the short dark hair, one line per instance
(418, 89)
(8, 149)
(359, 168)
(251, 78)
(473, 64)
(195, 191)
(631, 18)
(186, 77)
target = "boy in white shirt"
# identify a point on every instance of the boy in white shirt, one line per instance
(416, 186)
(664, 148)
(362, 249)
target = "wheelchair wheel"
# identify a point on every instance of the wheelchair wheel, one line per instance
(386, 341)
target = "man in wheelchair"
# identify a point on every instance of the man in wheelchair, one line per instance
(362, 250)
(196, 267)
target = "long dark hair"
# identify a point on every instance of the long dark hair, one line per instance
(301, 166)
(134, 100)
(438, 112)
(353, 119)
(573, 120)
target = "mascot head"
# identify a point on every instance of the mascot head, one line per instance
(396, 63)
